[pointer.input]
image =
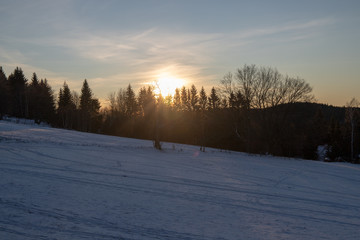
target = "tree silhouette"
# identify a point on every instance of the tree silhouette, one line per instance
(89, 108)
(47, 103)
(41, 100)
(34, 98)
(66, 107)
(202, 107)
(351, 111)
(185, 105)
(130, 101)
(214, 100)
(177, 99)
(4, 94)
(256, 110)
(194, 98)
(18, 99)
(203, 100)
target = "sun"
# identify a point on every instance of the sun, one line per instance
(166, 84)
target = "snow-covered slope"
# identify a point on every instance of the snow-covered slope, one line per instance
(58, 184)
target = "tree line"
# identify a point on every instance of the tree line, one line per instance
(35, 99)
(255, 109)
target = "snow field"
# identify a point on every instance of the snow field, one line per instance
(60, 184)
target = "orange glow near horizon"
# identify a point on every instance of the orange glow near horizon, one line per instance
(166, 84)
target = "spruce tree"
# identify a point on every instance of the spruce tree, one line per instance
(2, 75)
(131, 104)
(18, 99)
(89, 108)
(188, 106)
(66, 107)
(85, 97)
(34, 98)
(4, 94)
(34, 80)
(65, 100)
(184, 99)
(194, 98)
(203, 103)
(214, 100)
(85, 106)
(177, 99)
(47, 103)
(203, 99)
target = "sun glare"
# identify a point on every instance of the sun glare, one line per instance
(166, 85)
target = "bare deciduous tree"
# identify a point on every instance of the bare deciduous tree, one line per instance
(265, 87)
(254, 87)
(117, 101)
(246, 79)
(351, 110)
(76, 99)
(297, 90)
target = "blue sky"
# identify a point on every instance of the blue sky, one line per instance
(114, 43)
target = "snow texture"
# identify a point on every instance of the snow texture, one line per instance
(59, 184)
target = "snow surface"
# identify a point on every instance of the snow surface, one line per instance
(59, 184)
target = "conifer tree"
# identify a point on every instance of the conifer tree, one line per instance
(34, 98)
(130, 100)
(65, 99)
(85, 97)
(188, 100)
(184, 99)
(203, 99)
(147, 102)
(214, 100)
(4, 94)
(194, 98)
(203, 103)
(34, 80)
(66, 107)
(2, 75)
(177, 99)
(168, 100)
(89, 108)
(18, 99)
(47, 103)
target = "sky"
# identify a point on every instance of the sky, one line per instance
(116, 43)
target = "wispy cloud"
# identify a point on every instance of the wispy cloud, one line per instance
(136, 48)
(153, 45)
(292, 31)
(10, 59)
(140, 56)
(290, 27)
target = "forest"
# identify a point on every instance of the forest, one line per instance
(255, 109)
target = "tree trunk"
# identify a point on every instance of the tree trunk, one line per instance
(352, 140)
